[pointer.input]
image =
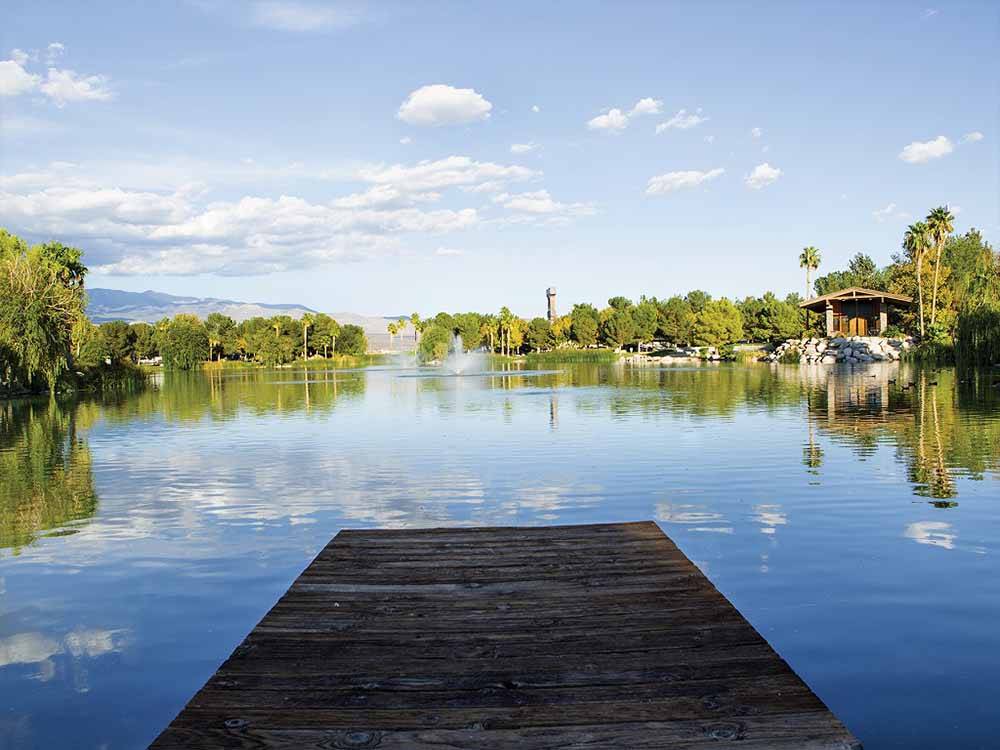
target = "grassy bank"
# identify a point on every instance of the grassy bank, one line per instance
(337, 361)
(570, 356)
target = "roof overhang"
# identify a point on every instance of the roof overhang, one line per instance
(857, 293)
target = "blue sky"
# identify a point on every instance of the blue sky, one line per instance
(383, 158)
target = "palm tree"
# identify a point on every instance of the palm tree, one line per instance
(415, 319)
(940, 225)
(306, 325)
(809, 260)
(915, 242)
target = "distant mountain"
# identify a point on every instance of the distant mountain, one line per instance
(149, 306)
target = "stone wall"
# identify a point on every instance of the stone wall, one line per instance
(852, 349)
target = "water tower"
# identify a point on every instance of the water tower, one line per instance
(550, 293)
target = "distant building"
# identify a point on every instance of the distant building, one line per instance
(550, 293)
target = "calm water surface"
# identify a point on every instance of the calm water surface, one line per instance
(856, 524)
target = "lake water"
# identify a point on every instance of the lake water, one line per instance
(854, 522)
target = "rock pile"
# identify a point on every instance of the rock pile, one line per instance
(852, 350)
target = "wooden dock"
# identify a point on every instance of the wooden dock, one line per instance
(601, 636)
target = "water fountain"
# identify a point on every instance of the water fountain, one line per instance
(461, 362)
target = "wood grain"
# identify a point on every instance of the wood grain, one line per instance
(596, 636)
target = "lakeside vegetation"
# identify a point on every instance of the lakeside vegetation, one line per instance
(46, 341)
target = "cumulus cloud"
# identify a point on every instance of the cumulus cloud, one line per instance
(612, 121)
(891, 211)
(974, 137)
(671, 181)
(535, 108)
(449, 252)
(59, 85)
(762, 176)
(756, 132)
(14, 79)
(406, 140)
(647, 106)
(522, 148)
(683, 120)
(181, 230)
(440, 104)
(290, 15)
(919, 152)
(64, 86)
(709, 139)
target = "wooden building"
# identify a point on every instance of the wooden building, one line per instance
(856, 311)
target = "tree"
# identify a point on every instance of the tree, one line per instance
(352, 340)
(719, 323)
(967, 255)
(916, 242)
(393, 328)
(489, 329)
(145, 340)
(809, 259)
(435, 343)
(325, 332)
(645, 316)
(468, 326)
(306, 322)
(940, 225)
(697, 299)
(117, 341)
(583, 326)
(415, 320)
(221, 330)
(506, 318)
(620, 303)
(618, 328)
(41, 303)
(184, 343)
(540, 334)
(676, 321)
(562, 328)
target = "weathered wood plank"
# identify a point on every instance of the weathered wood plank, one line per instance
(599, 636)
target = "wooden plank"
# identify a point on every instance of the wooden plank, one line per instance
(598, 636)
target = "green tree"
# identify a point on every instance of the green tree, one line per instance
(185, 343)
(940, 225)
(718, 324)
(540, 336)
(698, 299)
(41, 302)
(118, 341)
(676, 321)
(144, 336)
(809, 259)
(583, 327)
(434, 343)
(645, 316)
(916, 243)
(221, 331)
(352, 340)
(620, 303)
(967, 255)
(325, 332)
(618, 328)
(469, 327)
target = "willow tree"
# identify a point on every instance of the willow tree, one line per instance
(916, 242)
(940, 225)
(41, 302)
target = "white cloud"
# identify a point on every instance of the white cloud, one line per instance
(288, 15)
(535, 108)
(64, 86)
(406, 140)
(891, 211)
(709, 139)
(974, 137)
(756, 132)
(450, 252)
(683, 120)
(612, 121)
(540, 203)
(452, 171)
(671, 181)
(929, 13)
(522, 148)
(182, 230)
(54, 51)
(14, 79)
(647, 106)
(20, 56)
(762, 176)
(919, 152)
(440, 104)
